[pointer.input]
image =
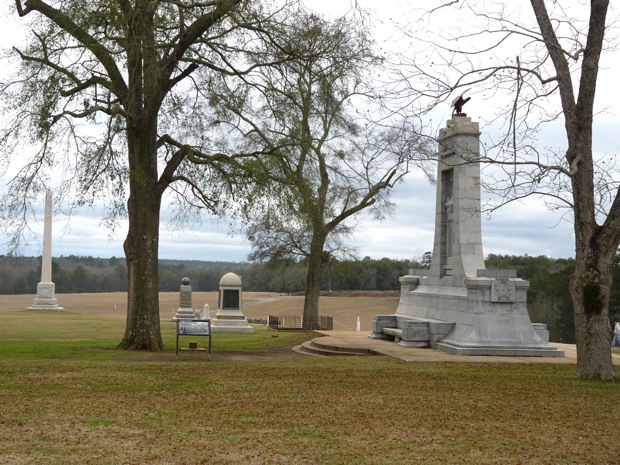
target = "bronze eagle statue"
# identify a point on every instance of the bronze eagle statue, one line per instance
(458, 102)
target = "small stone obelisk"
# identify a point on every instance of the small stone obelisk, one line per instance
(45, 299)
(185, 311)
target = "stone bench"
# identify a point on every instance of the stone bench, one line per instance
(410, 332)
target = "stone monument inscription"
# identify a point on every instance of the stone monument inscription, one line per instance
(230, 299)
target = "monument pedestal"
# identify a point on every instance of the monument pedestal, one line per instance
(184, 314)
(45, 299)
(488, 316)
(230, 321)
(229, 318)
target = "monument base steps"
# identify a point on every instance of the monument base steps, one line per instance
(232, 329)
(317, 347)
(46, 308)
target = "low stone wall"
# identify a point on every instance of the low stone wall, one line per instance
(295, 322)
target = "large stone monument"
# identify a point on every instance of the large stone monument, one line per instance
(185, 311)
(229, 317)
(46, 289)
(458, 306)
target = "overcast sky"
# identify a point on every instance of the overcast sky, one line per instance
(516, 229)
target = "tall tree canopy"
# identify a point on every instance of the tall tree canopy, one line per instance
(335, 151)
(114, 98)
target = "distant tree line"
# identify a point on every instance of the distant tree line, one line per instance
(72, 274)
(75, 274)
(548, 297)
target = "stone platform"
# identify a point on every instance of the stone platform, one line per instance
(350, 342)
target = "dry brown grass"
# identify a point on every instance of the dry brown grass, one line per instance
(333, 411)
(69, 399)
(256, 305)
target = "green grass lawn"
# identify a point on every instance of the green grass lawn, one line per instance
(68, 397)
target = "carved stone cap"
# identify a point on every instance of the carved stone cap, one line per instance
(408, 279)
(230, 280)
(459, 125)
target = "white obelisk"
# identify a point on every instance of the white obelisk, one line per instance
(45, 299)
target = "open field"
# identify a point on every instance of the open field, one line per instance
(256, 305)
(67, 397)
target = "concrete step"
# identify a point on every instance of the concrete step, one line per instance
(323, 348)
(301, 349)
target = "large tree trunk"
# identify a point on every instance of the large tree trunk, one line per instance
(590, 285)
(142, 331)
(590, 292)
(590, 288)
(313, 285)
(142, 244)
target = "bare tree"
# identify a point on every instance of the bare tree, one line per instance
(547, 61)
(122, 88)
(330, 159)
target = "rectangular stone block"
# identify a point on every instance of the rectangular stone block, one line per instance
(396, 332)
(416, 333)
(496, 273)
(439, 329)
(541, 331)
(383, 321)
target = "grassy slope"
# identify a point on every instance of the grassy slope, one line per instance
(66, 397)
